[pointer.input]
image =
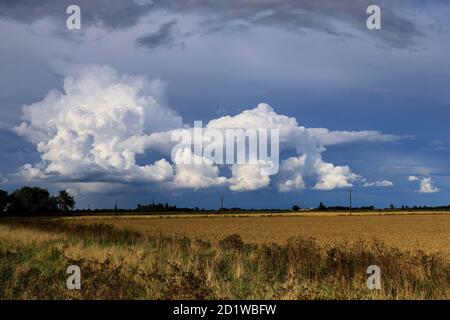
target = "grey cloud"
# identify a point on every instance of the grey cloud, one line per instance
(164, 36)
(327, 16)
(110, 14)
(319, 15)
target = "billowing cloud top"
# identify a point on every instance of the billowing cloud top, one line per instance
(97, 126)
(92, 132)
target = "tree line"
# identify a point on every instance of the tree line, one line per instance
(34, 201)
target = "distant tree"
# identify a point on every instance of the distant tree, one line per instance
(392, 207)
(3, 201)
(295, 208)
(65, 201)
(31, 201)
(322, 206)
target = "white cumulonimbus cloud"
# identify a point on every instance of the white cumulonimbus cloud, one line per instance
(95, 128)
(425, 184)
(90, 134)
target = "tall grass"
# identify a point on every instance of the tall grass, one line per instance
(123, 264)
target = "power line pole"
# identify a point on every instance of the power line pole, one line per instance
(350, 194)
(221, 203)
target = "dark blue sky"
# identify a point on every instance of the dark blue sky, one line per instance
(314, 61)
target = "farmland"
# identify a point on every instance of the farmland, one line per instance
(429, 231)
(226, 257)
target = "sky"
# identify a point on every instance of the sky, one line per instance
(92, 110)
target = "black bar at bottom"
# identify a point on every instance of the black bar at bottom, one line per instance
(212, 309)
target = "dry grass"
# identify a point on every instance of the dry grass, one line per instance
(429, 232)
(123, 264)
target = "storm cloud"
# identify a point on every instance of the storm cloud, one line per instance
(344, 18)
(93, 131)
(314, 62)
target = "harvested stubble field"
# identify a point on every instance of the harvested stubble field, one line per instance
(427, 231)
(136, 261)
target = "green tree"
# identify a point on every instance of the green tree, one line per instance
(295, 207)
(3, 201)
(31, 201)
(65, 201)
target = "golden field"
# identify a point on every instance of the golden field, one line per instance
(199, 257)
(426, 231)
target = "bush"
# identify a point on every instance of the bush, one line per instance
(233, 241)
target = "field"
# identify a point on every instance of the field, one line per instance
(429, 232)
(240, 257)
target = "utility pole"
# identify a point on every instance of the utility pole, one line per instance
(221, 203)
(350, 193)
